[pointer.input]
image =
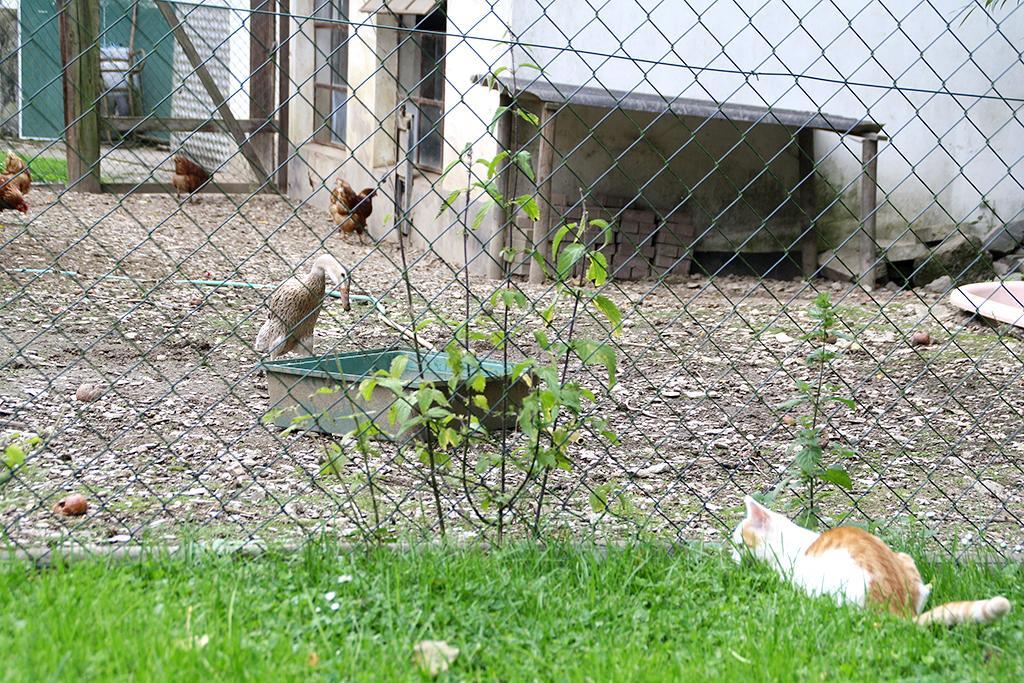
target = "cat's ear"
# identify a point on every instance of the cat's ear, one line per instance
(759, 515)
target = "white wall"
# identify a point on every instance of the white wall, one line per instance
(946, 155)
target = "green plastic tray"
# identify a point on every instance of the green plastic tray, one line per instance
(306, 386)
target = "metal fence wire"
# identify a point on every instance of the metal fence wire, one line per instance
(575, 269)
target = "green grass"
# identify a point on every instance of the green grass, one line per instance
(47, 169)
(521, 613)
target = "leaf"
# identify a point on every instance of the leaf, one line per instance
(449, 201)
(560, 234)
(569, 257)
(480, 401)
(498, 113)
(606, 230)
(808, 458)
(14, 456)
(400, 412)
(610, 311)
(478, 219)
(597, 271)
(529, 206)
(592, 353)
(531, 65)
(791, 403)
(327, 390)
(398, 365)
(548, 314)
(542, 339)
(528, 116)
(837, 476)
(522, 160)
(479, 382)
(599, 497)
(433, 657)
(272, 415)
(848, 402)
(807, 519)
(455, 358)
(522, 369)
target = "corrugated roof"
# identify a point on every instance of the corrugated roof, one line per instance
(590, 96)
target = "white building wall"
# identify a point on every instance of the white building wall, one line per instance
(948, 159)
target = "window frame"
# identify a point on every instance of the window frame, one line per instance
(418, 100)
(324, 133)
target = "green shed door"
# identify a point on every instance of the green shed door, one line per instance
(42, 96)
(42, 91)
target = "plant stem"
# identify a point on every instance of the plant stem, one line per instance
(419, 364)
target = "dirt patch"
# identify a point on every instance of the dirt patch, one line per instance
(176, 445)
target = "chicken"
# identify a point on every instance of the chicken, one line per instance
(349, 210)
(17, 167)
(295, 306)
(188, 175)
(15, 182)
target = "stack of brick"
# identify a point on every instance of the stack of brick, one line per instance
(634, 245)
(641, 245)
(673, 243)
(566, 211)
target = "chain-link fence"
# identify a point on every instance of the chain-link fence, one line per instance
(611, 266)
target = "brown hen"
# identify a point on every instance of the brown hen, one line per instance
(188, 175)
(349, 209)
(15, 182)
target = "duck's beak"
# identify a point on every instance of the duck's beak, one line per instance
(343, 290)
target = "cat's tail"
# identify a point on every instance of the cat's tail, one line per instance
(968, 611)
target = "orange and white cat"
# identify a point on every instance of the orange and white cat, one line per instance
(853, 566)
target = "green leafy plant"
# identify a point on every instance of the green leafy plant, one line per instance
(816, 459)
(16, 446)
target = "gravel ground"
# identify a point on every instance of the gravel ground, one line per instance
(175, 445)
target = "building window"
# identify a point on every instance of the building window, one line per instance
(423, 79)
(330, 84)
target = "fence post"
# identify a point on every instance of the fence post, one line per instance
(261, 78)
(79, 25)
(868, 209)
(283, 92)
(808, 201)
(545, 159)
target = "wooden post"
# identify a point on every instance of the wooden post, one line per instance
(283, 93)
(261, 77)
(868, 209)
(808, 201)
(80, 57)
(545, 159)
(219, 101)
(501, 238)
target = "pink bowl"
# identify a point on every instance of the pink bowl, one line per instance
(1002, 301)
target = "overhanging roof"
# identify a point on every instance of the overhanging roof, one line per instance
(590, 96)
(400, 6)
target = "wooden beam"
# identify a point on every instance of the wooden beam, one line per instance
(79, 23)
(174, 124)
(219, 101)
(501, 238)
(283, 92)
(165, 188)
(261, 77)
(807, 201)
(868, 209)
(545, 159)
